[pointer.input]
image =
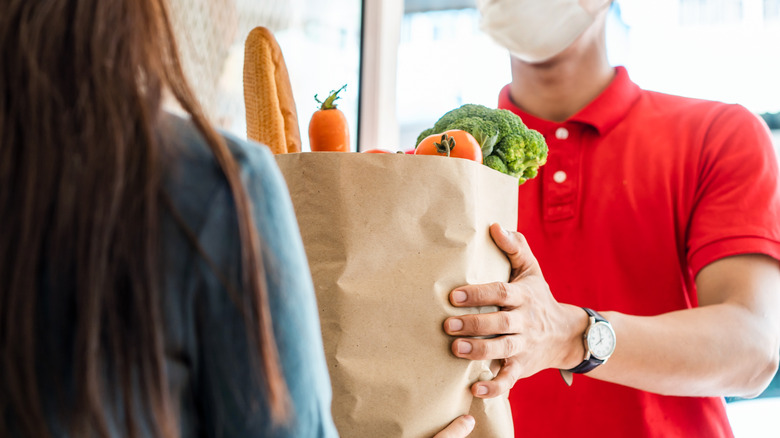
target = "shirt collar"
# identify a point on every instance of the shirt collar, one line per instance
(603, 112)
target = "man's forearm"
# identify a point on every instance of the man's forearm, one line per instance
(720, 349)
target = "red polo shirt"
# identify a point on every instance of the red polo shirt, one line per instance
(640, 191)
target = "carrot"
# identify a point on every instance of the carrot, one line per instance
(328, 129)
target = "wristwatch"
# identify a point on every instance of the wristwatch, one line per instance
(599, 341)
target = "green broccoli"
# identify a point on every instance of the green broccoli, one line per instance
(467, 110)
(508, 146)
(495, 163)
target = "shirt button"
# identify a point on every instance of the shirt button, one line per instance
(559, 176)
(561, 133)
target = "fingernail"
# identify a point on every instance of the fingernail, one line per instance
(455, 325)
(505, 231)
(459, 296)
(469, 419)
(482, 390)
(464, 347)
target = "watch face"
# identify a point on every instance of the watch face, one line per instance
(601, 340)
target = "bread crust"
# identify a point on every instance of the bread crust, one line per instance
(272, 118)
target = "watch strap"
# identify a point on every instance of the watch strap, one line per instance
(586, 365)
(596, 315)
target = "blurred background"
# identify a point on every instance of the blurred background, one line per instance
(408, 62)
(320, 41)
(726, 50)
(405, 63)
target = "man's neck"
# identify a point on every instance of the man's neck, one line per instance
(558, 89)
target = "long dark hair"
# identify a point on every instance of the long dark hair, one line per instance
(81, 85)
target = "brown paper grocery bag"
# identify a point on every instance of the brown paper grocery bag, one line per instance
(388, 236)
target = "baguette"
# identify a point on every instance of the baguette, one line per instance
(271, 117)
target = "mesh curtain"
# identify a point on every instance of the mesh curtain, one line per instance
(210, 35)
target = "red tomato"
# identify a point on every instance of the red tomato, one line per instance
(378, 151)
(453, 143)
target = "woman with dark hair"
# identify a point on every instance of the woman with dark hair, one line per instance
(152, 279)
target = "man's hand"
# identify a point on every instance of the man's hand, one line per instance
(533, 331)
(728, 345)
(461, 427)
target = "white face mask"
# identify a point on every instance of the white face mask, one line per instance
(535, 30)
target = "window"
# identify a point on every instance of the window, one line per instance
(707, 12)
(726, 59)
(320, 41)
(772, 12)
(444, 61)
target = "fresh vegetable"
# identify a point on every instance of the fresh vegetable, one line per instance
(328, 129)
(451, 143)
(507, 145)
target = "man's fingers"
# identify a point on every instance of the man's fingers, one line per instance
(485, 324)
(488, 294)
(515, 247)
(501, 294)
(500, 347)
(502, 383)
(459, 428)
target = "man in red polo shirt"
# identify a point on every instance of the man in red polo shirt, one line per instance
(661, 213)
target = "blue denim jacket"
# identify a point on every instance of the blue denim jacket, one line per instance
(212, 381)
(209, 369)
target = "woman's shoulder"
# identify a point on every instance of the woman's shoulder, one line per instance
(187, 147)
(192, 178)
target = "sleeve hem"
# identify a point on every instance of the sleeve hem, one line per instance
(732, 246)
